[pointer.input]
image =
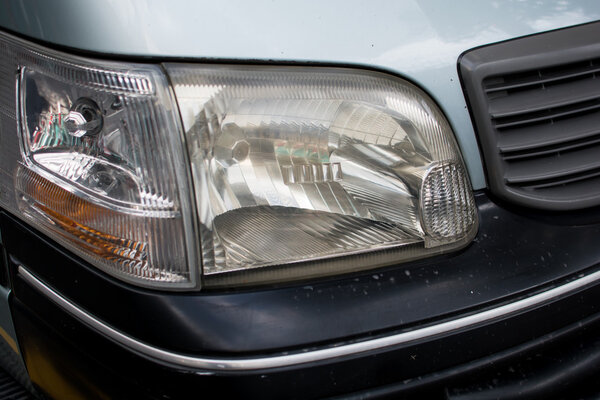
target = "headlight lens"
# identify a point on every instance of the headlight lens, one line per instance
(295, 166)
(276, 173)
(81, 162)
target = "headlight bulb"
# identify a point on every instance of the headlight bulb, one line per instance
(84, 119)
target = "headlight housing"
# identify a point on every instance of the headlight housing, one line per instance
(231, 174)
(80, 162)
(295, 166)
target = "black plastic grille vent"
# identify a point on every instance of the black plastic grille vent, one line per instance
(536, 106)
(548, 127)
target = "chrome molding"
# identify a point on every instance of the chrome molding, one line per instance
(241, 364)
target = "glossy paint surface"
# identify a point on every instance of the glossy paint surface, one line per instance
(419, 40)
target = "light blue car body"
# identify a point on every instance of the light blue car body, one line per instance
(418, 40)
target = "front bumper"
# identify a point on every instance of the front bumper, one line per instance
(525, 282)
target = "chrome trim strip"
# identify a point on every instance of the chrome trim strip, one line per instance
(241, 364)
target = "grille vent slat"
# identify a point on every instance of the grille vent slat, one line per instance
(548, 168)
(557, 149)
(548, 115)
(536, 106)
(575, 178)
(570, 94)
(550, 76)
(549, 134)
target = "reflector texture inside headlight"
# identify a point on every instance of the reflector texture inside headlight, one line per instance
(302, 164)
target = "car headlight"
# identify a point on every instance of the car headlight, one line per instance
(294, 167)
(265, 174)
(94, 160)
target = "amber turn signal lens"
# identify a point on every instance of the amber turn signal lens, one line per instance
(76, 220)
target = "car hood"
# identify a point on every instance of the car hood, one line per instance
(419, 40)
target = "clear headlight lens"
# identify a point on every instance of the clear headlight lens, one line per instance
(293, 165)
(92, 156)
(295, 172)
